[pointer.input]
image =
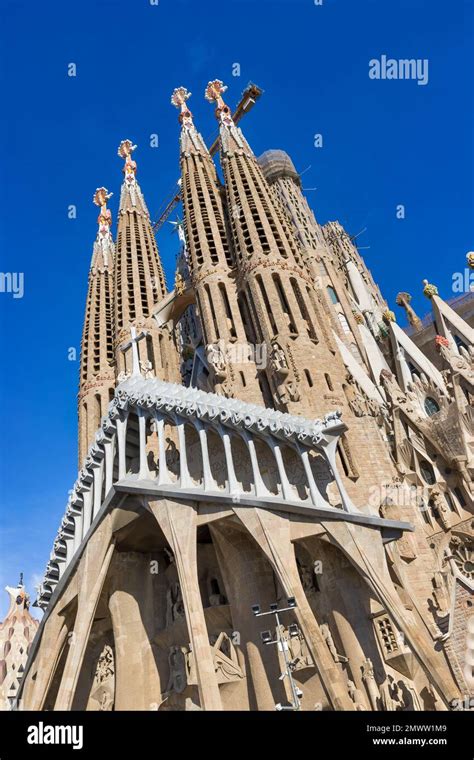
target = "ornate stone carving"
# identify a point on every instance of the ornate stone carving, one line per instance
(147, 369)
(404, 300)
(327, 636)
(357, 696)
(102, 692)
(388, 316)
(307, 579)
(217, 359)
(125, 151)
(439, 503)
(278, 360)
(179, 285)
(180, 670)
(463, 555)
(441, 593)
(429, 290)
(368, 678)
(174, 604)
(226, 661)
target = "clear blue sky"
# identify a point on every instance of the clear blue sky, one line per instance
(385, 143)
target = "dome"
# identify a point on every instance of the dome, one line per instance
(277, 163)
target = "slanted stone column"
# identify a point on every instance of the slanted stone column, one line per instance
(249, 580)
(53, 639)
(272, 532)
(178, 523)
(93, 570)
(133, 596)
(363, 547)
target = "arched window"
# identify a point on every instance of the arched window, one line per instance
(427, 472)
(431, 406)
(97, 411)
(332, 294)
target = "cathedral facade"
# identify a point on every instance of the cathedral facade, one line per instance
(274, 500)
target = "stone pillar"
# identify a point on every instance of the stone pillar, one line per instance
(132, 601)
(178, 523)
(92, 573)
(272, 532)
(53, 639)
(249, 580)
(363, 547)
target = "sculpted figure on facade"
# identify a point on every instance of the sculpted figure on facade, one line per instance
(328, 638)
(368, 678)
(357, 696)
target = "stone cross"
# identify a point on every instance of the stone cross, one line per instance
(133, 342)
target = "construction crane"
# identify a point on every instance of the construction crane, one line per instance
(248, 99)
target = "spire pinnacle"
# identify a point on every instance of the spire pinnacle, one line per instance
(130, 184)
(178, 99)
(231, 136)
(125, 150)
(191, 140)
(403, 300)
(213, 94)
(429, 290)
(104, 220)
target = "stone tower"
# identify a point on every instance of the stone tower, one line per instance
(139, 282)
(97, 375)
(212, 265)
(331, 479)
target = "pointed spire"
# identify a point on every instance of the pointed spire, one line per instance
(125, 150)
(139, 278)
(232, 138)
(191, 140)
(178, 99)
(131, 198)
(103, 246)
(96, 379)
(404, 300)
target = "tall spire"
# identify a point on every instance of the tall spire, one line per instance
(211, 262)
(139, 279)
(96, 382)
(273, 280)
(191, 140)
(231, 135)
(131, 197)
